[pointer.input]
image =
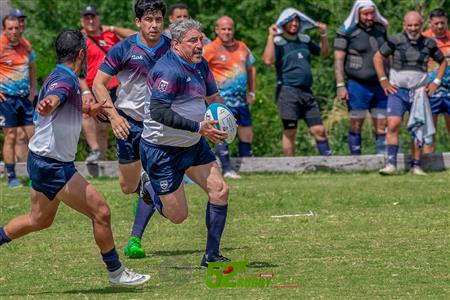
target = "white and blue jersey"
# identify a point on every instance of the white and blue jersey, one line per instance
(56, 135)
(184, 86)
(131, 61)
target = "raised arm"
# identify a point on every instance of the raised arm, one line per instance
(269, 50)
(324, 45)
(121, 32)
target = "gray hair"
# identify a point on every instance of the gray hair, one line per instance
(178, 30)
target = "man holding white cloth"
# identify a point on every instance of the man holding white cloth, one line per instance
(408, 86)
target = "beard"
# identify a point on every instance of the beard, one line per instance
(196, 53)
(83, 68)
(413, 37)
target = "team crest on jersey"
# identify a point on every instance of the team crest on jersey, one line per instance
(164, 184)
(163, 85)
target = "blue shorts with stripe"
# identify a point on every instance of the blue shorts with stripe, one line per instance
(16, 112)
(128, 149)
(48, 175)
(365, 97)
(165, 165)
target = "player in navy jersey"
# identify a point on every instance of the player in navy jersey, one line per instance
(52, 152)
(173, 140)
(131, 61)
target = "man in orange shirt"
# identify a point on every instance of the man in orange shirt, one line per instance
(16, 94)
(440, 101)
(232, 65)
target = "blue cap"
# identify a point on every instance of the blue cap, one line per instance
(15, 12)
(89, 10)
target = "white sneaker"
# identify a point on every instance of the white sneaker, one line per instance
(390, 169)
(126, 277)
(231, 174)
(417, 171)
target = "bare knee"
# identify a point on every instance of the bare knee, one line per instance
(179, 217)
(41, 222)
(102, 214)
(127, 189)
(318, 132)
(219, 192)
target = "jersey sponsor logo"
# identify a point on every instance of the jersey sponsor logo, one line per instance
(188, 79)
(9, 62)
(102, 43)
(53, 86)
(137, 57)
(163, 85)
(300, 55)
(223, 58)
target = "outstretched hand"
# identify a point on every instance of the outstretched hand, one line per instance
(46, 106)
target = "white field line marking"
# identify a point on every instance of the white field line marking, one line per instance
(309, 214)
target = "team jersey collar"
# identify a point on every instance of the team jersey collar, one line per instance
(180, 59)
(71, 73)
(153, 50)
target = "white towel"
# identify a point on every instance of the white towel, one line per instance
(420, 123)
(289, 13)
(353, 18)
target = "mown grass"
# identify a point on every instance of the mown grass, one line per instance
(369, 237)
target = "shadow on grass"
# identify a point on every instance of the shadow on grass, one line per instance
(189, 251)
(105, 290)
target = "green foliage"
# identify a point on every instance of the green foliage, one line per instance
(47, 17)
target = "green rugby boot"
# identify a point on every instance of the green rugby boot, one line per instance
(134, 248)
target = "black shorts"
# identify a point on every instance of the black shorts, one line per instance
(294, 104)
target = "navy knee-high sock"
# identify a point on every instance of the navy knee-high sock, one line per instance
(224, 156)
(323, 147)
(245, 149)
(10, 171)
(354, 142)
(3, 237)
(381, 143)
(216, 215)
(392, 151)
(156, 200)
(143, 214)
(111, 260)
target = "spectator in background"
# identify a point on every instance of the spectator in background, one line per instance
(290, 51)
(232, 65)
(357, 41)
(17, 91)
(21, 147)
(179, 12)
(99, 40)
(407, 84)
(440, 101)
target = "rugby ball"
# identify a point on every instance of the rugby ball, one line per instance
(225, 120)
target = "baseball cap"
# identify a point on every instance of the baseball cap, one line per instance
(89, 10)
(15, 12)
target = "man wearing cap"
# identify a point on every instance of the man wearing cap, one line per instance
(17, 91)
(357, 41)
(440, 101)
(407, 88)
(99, 40)
(290, 50)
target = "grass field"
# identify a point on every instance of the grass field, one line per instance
(360, 236)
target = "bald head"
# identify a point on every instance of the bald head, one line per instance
(225, 30)
(224, 20)
(412, 16)
(412, 25)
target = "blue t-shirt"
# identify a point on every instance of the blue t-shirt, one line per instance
(56, 135)
(184, 86)
(132, 61)
(293, 61)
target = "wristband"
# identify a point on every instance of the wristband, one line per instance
(251, 94)
(86, 92)
(340, 84)
(111, 28)
(437, 81)
(383, 78)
